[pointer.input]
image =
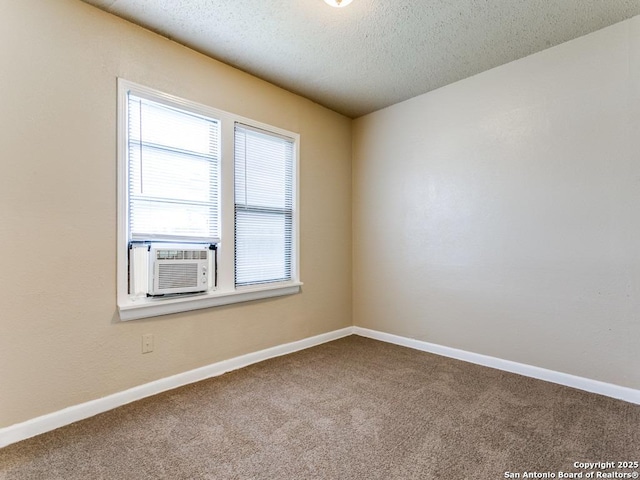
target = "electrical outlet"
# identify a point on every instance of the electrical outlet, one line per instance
(147, 343)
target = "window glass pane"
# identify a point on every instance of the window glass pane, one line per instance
(170, 175)
(261, 248)
(161, 220)
(173, 173)
(264, 206)
(155, 123)
(263, 180)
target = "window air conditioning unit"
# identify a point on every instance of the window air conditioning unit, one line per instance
(178, 268)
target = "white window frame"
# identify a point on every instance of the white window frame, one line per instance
(130, 307)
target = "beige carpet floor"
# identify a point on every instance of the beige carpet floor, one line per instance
(350, 409)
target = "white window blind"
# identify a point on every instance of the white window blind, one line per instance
(173, 163)
(263, 206)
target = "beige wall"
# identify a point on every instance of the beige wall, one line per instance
(60, 339)
(500, 215)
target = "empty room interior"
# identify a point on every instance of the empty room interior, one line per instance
(271, 239)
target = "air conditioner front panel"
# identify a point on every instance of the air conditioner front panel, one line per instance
(178, 269)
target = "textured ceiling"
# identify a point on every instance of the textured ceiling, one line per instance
(373, 53)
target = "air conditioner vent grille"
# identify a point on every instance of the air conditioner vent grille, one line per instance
(181, 254)
(182, 275)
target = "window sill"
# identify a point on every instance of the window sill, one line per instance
(153, 307)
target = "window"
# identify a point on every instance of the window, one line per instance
(173, 166)
(263, 206)
(193, 179)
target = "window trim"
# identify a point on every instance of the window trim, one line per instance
(226, 292)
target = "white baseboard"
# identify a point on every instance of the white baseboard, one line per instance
(594, 386)
(51, 421)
